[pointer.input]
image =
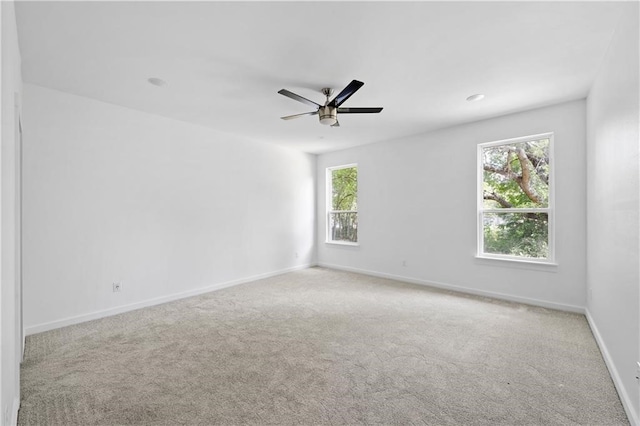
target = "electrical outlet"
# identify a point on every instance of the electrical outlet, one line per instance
(404, 263)
(296, 255)
(117, 287)
(638, 371)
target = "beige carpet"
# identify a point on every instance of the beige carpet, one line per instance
(322, 347)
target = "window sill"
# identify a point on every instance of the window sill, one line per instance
(535, 265)
(343, 243)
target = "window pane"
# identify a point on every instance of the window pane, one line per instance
(516, 234)
(516, 175)
(345, 189)
(344, 226)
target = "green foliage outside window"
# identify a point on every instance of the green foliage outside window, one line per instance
(345, 189)
(343, 220)
(516, 176)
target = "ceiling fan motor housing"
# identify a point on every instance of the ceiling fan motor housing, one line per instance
(328, 115)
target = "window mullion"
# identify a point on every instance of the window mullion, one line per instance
(517, 210)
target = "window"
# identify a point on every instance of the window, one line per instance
(515, 199)
(342, 202)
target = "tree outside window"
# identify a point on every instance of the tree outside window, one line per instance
(343, 197)
(515, 203)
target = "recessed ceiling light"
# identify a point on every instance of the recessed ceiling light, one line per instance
(476, 97)
(157, 81)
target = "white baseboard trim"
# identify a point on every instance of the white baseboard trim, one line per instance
(39, 328)
(634, 418)
(461, 289)
(14, 411)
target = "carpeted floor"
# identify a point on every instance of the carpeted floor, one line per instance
(322, 347)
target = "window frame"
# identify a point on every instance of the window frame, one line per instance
(550, 209)
(329, 204)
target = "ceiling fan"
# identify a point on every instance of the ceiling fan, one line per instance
(329, 111)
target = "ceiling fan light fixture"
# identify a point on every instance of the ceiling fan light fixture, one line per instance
(328, 115)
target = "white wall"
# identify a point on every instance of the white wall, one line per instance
(417, 202)
(165, 207)
(613, 183)
(11, 349)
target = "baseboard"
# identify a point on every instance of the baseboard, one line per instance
(461, 289)
(39, 328)
(14, 411)
(634, 418)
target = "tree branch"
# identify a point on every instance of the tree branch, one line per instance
(525, 179)
(506, 171)
(536, 162)
(495, 197)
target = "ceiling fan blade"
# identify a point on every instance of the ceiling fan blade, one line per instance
(289, 117)
(298, 98)
(346, 93)
(358, 110)
(336, 124)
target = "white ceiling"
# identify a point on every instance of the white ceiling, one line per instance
(225, 62)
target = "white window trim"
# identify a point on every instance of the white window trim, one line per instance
(328, 201)
(550, 210)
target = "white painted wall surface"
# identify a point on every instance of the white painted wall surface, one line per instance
(613, 182)
(165, 207)
(10, 349)
(417, 203)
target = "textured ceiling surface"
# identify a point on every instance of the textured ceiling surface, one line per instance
(224, 62)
